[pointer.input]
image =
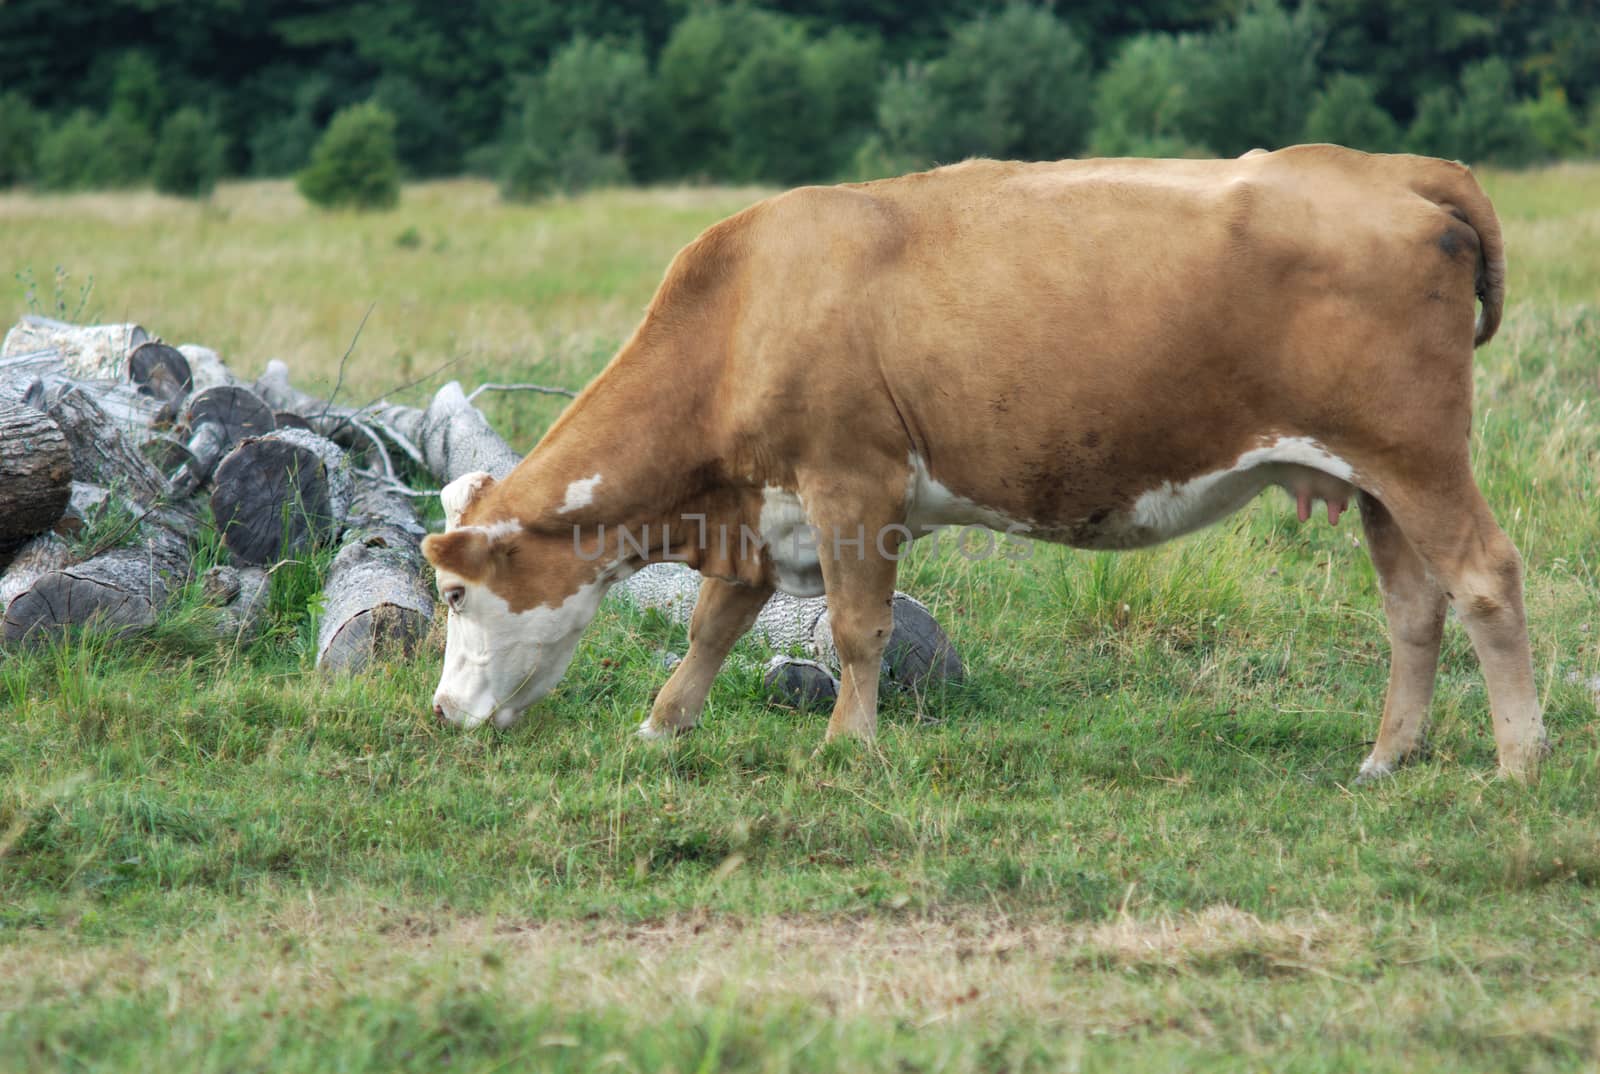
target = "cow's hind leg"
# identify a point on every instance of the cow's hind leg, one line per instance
(722, 614)
(1414, 606)
(1447, 522)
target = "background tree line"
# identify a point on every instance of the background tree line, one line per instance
(551, 94)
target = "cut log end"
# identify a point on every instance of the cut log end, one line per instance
(373, 635)
(279, 496)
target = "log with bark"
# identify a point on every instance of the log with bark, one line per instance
(92, 352)
(102, 453)
(242, 595)
(35, 474)
(280, 495)
(121, 590)
(374, 600)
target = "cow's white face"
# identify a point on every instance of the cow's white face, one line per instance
(518, 603)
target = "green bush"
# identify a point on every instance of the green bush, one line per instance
(1552, 125)
(1346, 112)
(1013, 84)
(1433, 128)
(20, 126)
(1487, 123)
(793, 108)
(354, 163)
(282, 145)
(575, 124)
(188, 158)
(693, 69)
(88, 153)
(1253, 80)
(1478, 122)
(908, 118)
(138, 92)
(1139, 99)
(426, 139)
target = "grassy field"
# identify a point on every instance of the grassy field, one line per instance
(1128, 842)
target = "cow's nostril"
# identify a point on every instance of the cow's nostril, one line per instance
(438, 710)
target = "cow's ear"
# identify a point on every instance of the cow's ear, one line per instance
(464, 553)
(459, 494)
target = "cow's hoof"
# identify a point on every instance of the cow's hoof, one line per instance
(651, 733)
(1372, 771)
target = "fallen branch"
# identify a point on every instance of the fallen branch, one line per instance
(480, 389)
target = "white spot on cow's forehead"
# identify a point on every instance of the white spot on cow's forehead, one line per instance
(506, 527)
(580, 494)
(458, 494)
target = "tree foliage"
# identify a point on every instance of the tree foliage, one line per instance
(1346, 112)
(785, 91)
(20, 127)
(188, 157)
(1251, 81)
(1015, 83)
(575, 124)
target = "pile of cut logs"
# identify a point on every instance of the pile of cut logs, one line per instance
(109, 428)
(106, 421)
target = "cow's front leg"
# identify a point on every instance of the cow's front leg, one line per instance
(858, 570)
(1415, 608)
(722, 614)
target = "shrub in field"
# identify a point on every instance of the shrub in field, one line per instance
(20, 124)
(354, 164)
(793, 107)
(1552, 125)
(1346, 111)
(88, 153)
(1252, 81)
(574, 125)
(1140, 98)
(1012, 84)
(138, 94)
(188, 156)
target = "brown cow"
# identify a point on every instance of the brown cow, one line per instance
(1104, 353)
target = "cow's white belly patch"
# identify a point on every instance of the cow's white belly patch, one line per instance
(1170, 509)
(1173, 509)
(930, 504)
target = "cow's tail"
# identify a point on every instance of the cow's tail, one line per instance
(1457, 191)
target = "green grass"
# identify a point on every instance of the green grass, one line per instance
(1129, 841)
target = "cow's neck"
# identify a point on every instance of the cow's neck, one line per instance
(635, 453)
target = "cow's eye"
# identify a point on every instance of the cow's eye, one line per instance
(455, 596)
